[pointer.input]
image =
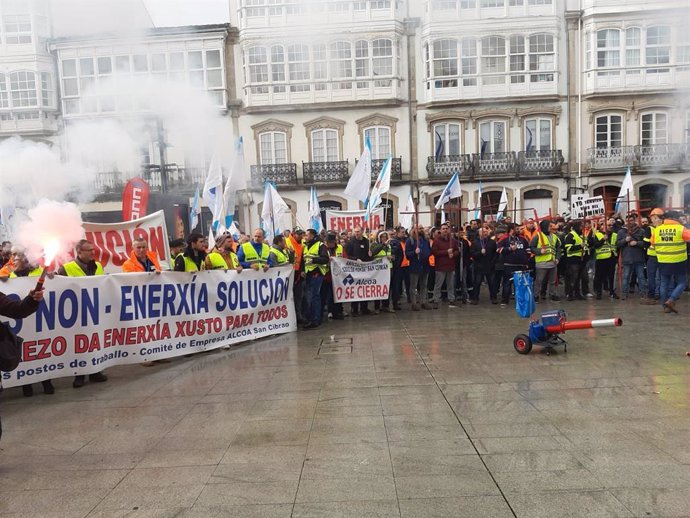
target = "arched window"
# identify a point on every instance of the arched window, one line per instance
(653, 128)
(325, 205)
(652, 195)
(380, 138)
(451, 210)
(610, 194)
(539, 200)
(273, 147)
(492, 137)
(23, 89)
(608, 48)
(609, 131)
(324, 143)
(447, 139)
(538, 134)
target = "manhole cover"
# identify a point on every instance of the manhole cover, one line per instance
(336, 349)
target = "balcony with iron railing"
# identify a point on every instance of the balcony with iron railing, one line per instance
(396, 168)
(506, 165)
(325, 172)
(640, 158)
(278, 174)
(180, 180)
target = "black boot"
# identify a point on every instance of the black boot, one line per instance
(79, 381)
(28, 390)
(48, 387)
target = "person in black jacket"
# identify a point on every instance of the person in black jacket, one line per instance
(357, 249)
(515, 252)
(12, 308)
(484, 255)
(397, 244)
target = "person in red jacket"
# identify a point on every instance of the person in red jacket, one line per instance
(141, 259)
(445, 251)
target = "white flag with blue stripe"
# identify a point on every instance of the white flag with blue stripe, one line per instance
(382, 186)
(314, 211)
(626, 190)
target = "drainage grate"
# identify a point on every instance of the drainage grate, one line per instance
(336, 341)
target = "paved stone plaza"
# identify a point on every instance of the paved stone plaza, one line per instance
(415, 415)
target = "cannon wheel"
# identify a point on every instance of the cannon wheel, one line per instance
(522, 344)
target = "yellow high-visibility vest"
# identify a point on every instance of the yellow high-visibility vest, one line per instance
(280, 256)
(311, 253)
(578, 241)
(72, 269)
(608, 249)
(218, 262)
(669, 244)
(550, 244)
(251, 257)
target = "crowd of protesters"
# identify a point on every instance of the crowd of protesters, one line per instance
(578, 260)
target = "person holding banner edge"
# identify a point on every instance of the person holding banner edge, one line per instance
(84, 265)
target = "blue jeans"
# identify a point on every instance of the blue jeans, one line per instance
(653, 281)
(638, 268)
(314, 297)
(672, 291)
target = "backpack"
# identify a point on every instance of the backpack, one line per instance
(10, 348)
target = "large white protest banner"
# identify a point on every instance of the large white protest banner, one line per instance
(355, 281)
(583, 206)
(87, 324)
(346, 220)
(112, 242)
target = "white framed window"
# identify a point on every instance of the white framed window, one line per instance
(273, 147)
(46, 90)
(633, 39)
(4, 95)
(445, 62)
(257, 61)
(492, 137)
(380, 138)
(341, 63)
(658, 49)
(319, 66)
(469, 62)
(214, 76)
(493, 59)
(540, 2)
(324, 145)
(653, 128)
(23, 89)
(588, 50)
(608, 48)
(278, 67)
(17, 29)
(608, 131)
(298, 67)
(382, 61)
(362, 62)
(538, 136)
(517, 59)
(447, 139)
(542, 57)
(491, 3)
(444, 5)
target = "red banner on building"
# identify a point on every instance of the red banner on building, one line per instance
(135, 199)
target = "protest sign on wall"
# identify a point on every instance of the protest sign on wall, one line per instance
(346, 220)
(355, 281)
(112, 242)
(87, 324)
(582, 206)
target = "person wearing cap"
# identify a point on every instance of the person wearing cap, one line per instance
(316, 261)
(656, 218)
(278, 253)
(670, 243)
(255, 254)
(222, 257)
(334, 249)
(631, 246)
